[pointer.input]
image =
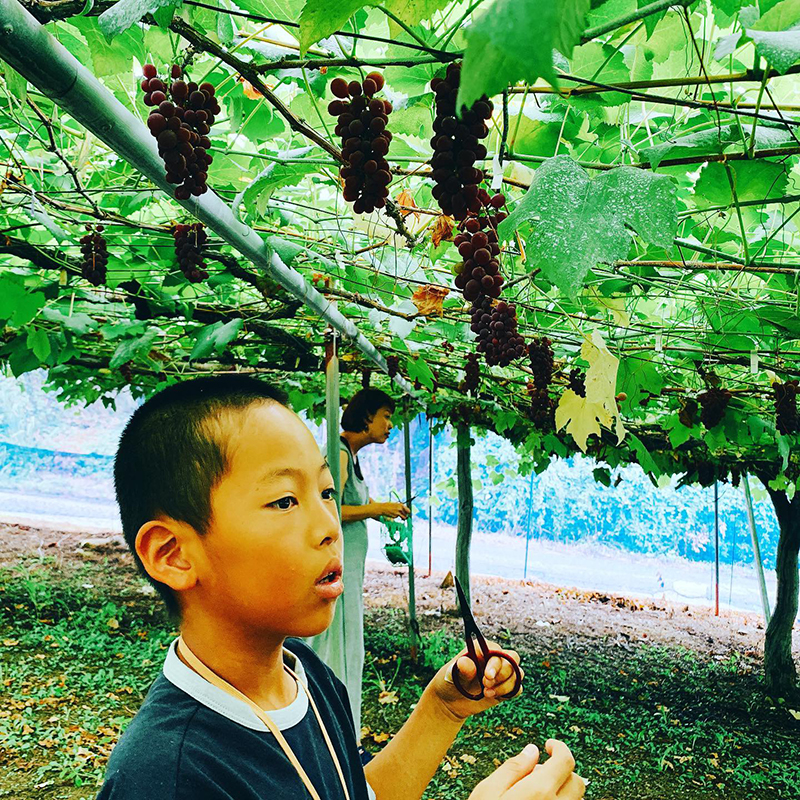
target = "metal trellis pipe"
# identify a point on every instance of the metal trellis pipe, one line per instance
(54, 71)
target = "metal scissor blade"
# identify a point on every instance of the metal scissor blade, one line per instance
(466, 612)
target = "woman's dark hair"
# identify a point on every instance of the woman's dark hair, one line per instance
(363, 406)
(173, 452)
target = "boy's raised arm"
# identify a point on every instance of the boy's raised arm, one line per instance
(403, 769)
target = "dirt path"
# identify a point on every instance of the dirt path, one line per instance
(552, 614)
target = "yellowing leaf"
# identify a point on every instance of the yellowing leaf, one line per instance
(429, 299)
(113, 624)
(584, 415)
(442, 230)
(385, 697)
(406, 202)
(615, 306)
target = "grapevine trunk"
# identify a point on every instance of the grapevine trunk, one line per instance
(780, 671)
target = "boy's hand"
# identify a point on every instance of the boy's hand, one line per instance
(523, 778)
(498, 679)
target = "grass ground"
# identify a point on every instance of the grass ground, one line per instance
(80, 643)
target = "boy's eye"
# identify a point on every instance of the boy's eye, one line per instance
(329, 494)
(285, 503)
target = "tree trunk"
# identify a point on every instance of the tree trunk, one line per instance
(779, 667)
(464, 534)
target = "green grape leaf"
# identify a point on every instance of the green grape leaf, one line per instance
(710, 141)
(74, 323)
(123, 14)
(320, 18)
(780, 17)
(781, 49)
(215, 337)
(513, 40)
(257, 194)
(129, 349)
(753, 180)
(17, 306)
(39, 343)
(418, 370)
(576, 223)
(110, 57)
(637, 377)
(17, 84)
(602, 475)
(413, 11)
(643, 457)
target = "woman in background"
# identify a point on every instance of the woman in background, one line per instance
(367, 419)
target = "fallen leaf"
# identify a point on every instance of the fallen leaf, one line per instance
(113, 623)
(384, 698)
(429, 299)
(468, 759)
(10, 642)
(379, 738)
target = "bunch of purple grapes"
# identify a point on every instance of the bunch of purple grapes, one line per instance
(577, 382)
(361, 120)
(713, 403)
(94, 256)
(392, 365)
(456, 147)
(477, 244)
(189, 243)
(540, 354)
(787, 419)
(181, 127)
(498, 337)
(472, 374)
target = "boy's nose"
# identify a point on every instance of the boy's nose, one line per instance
(332, 528)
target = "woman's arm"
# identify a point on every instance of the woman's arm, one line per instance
(374, 511)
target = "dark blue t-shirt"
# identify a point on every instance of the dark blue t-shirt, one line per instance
(192, 741)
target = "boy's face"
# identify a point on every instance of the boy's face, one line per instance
(380, 425)
(274, 529)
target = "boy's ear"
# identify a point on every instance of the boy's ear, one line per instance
(164, 549)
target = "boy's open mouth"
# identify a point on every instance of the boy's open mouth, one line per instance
(333, 571)
(329, 585)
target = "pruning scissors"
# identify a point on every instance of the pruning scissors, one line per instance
(480, 659)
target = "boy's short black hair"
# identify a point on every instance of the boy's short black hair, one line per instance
(173, 452)
(364, 405)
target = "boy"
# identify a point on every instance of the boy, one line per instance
(229, 510)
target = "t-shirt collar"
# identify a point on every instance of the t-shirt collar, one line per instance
(186, 679)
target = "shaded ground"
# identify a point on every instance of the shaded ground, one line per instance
(657, 700)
